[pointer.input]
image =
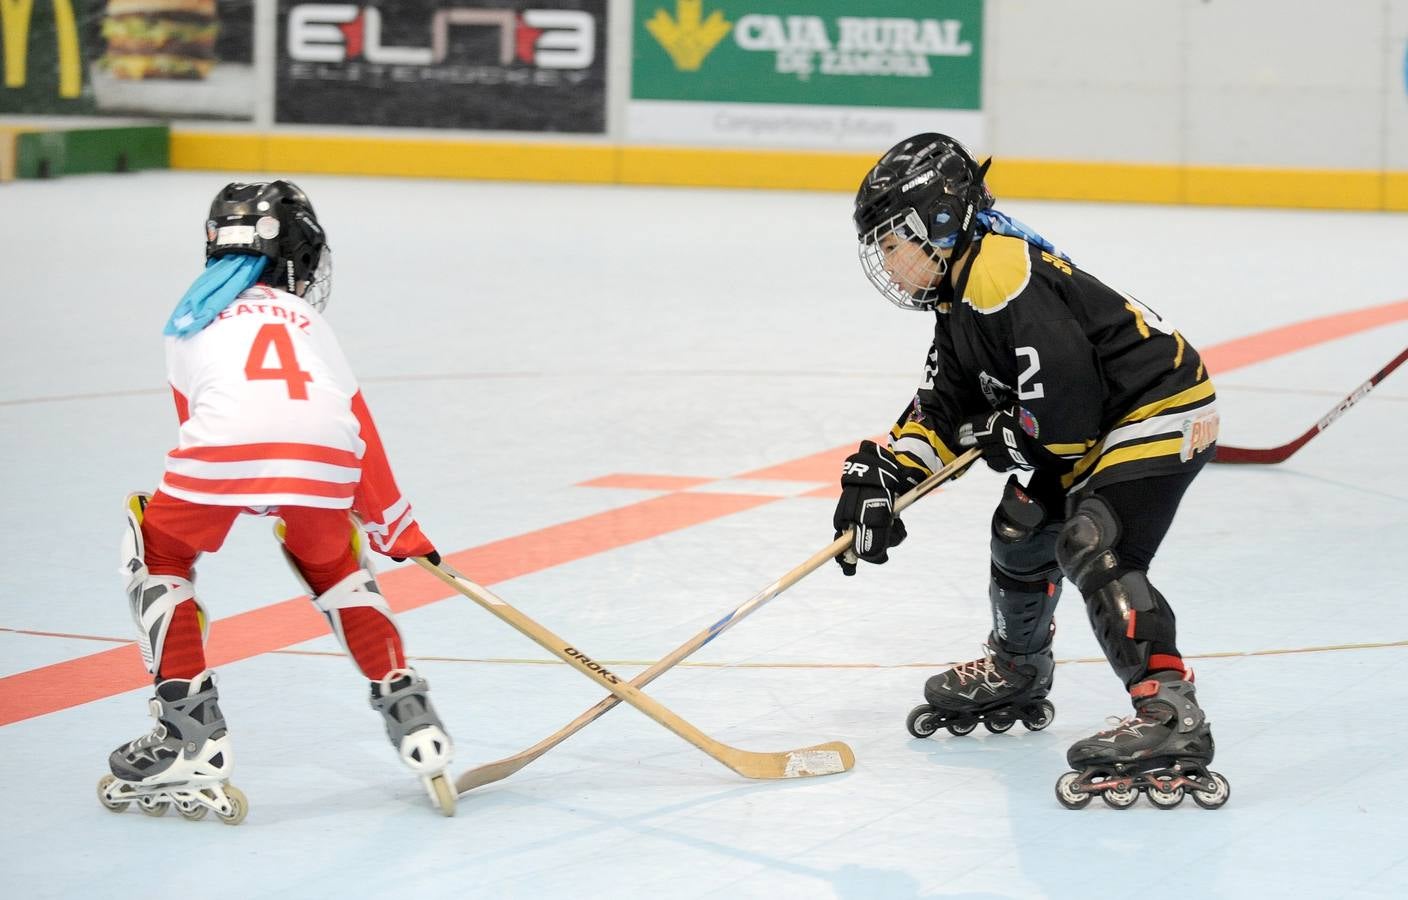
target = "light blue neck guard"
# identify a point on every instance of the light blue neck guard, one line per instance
(223, 280)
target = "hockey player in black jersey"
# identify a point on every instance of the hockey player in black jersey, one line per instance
(1044, 369)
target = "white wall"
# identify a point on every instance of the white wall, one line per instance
(1276, 83)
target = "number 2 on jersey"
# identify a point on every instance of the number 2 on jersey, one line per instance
(287, 371)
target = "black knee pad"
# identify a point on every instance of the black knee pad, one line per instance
(1129, 616)
(1085, 545)
(1023, 538)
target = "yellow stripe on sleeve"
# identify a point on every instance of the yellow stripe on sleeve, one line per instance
(1201, 391)
(928, 435)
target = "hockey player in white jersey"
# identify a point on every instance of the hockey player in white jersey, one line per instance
(272, 423)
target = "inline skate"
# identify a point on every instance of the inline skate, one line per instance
(184, 762)
(416, 732)
(1162, 751)
(999, 689)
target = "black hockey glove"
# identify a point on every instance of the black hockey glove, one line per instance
(1006, 437)
(432, 556)
(871, 479)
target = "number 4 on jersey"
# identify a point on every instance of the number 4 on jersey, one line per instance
(287, 371)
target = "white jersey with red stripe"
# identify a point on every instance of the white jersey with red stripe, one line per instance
(271, 415)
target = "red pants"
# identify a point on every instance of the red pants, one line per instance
(175, 532)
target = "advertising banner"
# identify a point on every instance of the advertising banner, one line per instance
(163, 58)
(515, 65)
(806, 73)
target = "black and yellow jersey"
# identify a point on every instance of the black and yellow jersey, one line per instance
(1114, 393)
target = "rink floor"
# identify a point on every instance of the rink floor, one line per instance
(532, 354)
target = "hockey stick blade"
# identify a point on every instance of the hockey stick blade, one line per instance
(500, 769)
(821, 759)
(1269, 455)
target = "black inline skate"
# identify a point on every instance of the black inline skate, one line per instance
(998, 690)
(1163, 751)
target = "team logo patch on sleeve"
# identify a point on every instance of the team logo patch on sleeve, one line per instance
(916, 410)
(1199, 434)
(1027, 421)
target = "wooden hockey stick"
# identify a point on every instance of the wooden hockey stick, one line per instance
(1226, 454)
(821, 759)
(500, 769)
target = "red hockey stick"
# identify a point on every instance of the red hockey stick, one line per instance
(1226, 454)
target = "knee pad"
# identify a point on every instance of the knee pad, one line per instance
(1085, 544)
(152, 599)
(356, 590)
(1023, 540)
(1128, 616)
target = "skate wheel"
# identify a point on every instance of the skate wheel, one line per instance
(1070, 796)
(1047, 713)
(239, 806)
(152, 806)
(194, 814)
(110, 804)
(960, 727)
(1214, 798)
(1119, 798)
(1163, 796)
(998, 726)
(921, 722)
(444, 794)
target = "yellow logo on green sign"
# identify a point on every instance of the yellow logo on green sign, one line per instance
(688, 37)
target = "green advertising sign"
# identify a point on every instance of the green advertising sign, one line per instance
(889, 53)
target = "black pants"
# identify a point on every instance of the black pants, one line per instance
(1145, 508)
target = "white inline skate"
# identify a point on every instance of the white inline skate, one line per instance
(184, 762)
(416, 732)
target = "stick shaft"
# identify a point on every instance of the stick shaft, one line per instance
(1227, 454)
(822, 759)
(500, 769)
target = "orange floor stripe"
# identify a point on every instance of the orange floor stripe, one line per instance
(824, 466)
(1230, 355)
(96, 676)
(99, 675)
(646, 482)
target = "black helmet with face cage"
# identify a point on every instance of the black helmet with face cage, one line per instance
(928, 190)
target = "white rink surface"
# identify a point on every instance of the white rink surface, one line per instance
(514, 341)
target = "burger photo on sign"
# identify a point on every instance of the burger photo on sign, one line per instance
(160, 38)
(175, 59)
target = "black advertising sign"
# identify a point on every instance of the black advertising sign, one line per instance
(513, 65)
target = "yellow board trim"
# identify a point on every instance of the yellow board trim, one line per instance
(601, 163)
(8, 152)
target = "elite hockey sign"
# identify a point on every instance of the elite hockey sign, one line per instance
(536, 65)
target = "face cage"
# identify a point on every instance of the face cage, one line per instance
(319, 290)
(907, 227)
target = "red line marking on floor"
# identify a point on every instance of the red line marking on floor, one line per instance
(96, 676)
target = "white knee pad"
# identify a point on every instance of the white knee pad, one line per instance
(358, 589)
(152, 599)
